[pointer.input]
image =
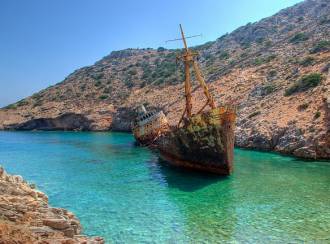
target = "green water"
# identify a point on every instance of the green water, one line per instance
(122, 192)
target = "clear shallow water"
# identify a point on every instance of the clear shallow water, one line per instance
(122, 192)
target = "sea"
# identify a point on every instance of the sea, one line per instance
(126, 194)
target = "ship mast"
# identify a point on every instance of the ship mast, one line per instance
(188, 57)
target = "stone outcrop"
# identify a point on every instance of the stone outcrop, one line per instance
(122, 119)
(66, 122)
(286, 140)
(69, 121)
(26, 217)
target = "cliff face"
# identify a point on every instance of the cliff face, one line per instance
(26, 217)
(275, 70)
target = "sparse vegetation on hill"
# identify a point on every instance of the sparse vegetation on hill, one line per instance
(307, 61)
(299, 37)
(321, 46)
(317, 115)
(304, 83)
(303, 106)
(256, 113)
(259, 67)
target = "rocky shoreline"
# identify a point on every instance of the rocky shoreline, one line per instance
(26, 217)
(287, 140)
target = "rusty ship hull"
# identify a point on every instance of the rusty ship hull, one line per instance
(204, 143)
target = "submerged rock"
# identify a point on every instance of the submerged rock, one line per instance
(26, 217)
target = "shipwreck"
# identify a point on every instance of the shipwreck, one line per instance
(202, 141)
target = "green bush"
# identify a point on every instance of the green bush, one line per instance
(103, 97)
(223, 55)
(272, 73)
(269, 88)
(245, 45)
(207, 56)
(107, 90)
(299, 37)
(97, 76)
(143, 84)
(268, 43)
(175, 80)
(270, 58)
(317, 115)
(258, 61)
(132, 72)
(321, 47)
(260, 40)
(289, 27)
(138, 64)
(254, 114)
(144, 64)
(36, 96)
(293, 60)
(244, 55)
(305, 83)
(232, 62)
(303, 106)
(98, 83)
(307, 61)
(146, 75)
(210, 61)
(37, 104)
(159, 81)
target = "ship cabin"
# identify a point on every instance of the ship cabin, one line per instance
(148, 125)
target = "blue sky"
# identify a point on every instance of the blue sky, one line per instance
(43, 41)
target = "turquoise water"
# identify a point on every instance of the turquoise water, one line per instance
(123, 193)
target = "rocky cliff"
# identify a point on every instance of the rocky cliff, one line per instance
(26, 217)
(275, 70)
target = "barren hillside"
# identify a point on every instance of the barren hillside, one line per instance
(275, 70)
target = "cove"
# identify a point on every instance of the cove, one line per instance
(123, 193)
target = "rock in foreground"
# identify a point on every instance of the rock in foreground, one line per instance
(26, 217)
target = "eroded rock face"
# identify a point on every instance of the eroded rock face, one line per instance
(69, 121)
(122, 119)
(286, 140)
(26, 217)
